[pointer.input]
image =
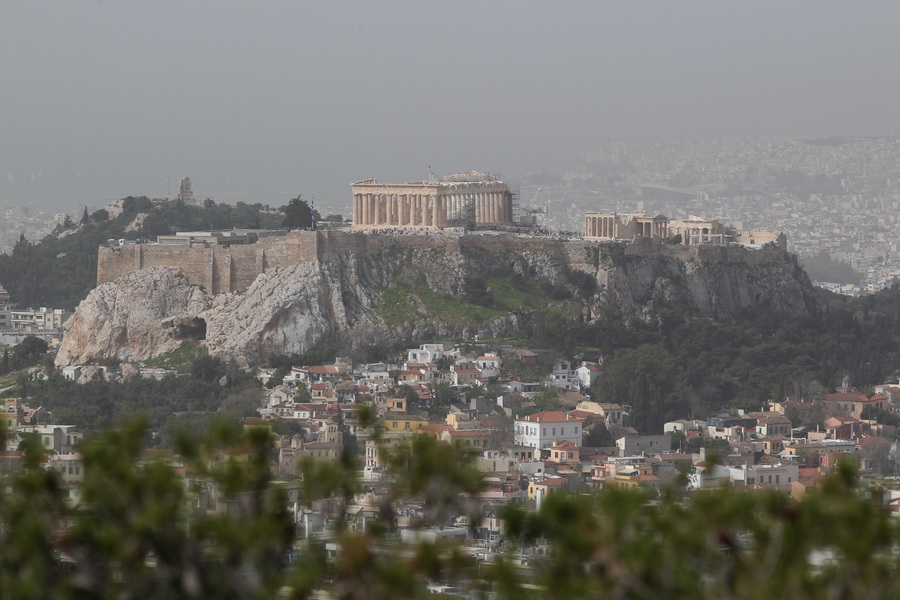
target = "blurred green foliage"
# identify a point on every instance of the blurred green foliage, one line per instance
(136, 528)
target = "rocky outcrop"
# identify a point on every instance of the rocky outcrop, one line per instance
(125, 319)
(334, 299)
(717, 281)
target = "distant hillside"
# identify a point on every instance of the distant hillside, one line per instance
(61, 269)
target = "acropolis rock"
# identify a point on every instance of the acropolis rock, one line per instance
(329, 297)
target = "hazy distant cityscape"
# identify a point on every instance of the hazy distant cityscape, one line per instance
(839, 195)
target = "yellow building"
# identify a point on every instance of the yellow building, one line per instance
(396, 422)
(545, 486)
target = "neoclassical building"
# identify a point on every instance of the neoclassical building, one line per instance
(459, 200)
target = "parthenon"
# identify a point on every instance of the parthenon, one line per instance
(458, 201)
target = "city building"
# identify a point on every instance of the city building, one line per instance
(543, 429)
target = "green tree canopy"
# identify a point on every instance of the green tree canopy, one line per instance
(297, 214)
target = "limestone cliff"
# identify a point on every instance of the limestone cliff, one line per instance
(126, 319)
(334, 299)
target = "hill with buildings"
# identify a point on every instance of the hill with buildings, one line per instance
(303, 291)
(61, 268)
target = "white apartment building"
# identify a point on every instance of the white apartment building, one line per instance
(542, 429)
(778, 476)
(430, 353)
(34, 319)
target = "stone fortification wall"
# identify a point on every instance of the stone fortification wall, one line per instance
(223, 269)
(218, 269)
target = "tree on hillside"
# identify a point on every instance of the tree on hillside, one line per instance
(297, 214)
(550, 329)
(646, 379)
(29, 351)
(85, 218)
(597, 436)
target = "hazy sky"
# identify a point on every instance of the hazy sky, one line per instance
(259, 101)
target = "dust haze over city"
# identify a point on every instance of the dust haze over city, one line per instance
(258, 103)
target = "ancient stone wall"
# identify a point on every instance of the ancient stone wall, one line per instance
(222, 269)
(217, 269)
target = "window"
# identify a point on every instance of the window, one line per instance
(571, 455)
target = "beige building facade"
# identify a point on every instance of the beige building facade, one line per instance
(697, 230)
(693, 230)
(625, 227)
(457, 201)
